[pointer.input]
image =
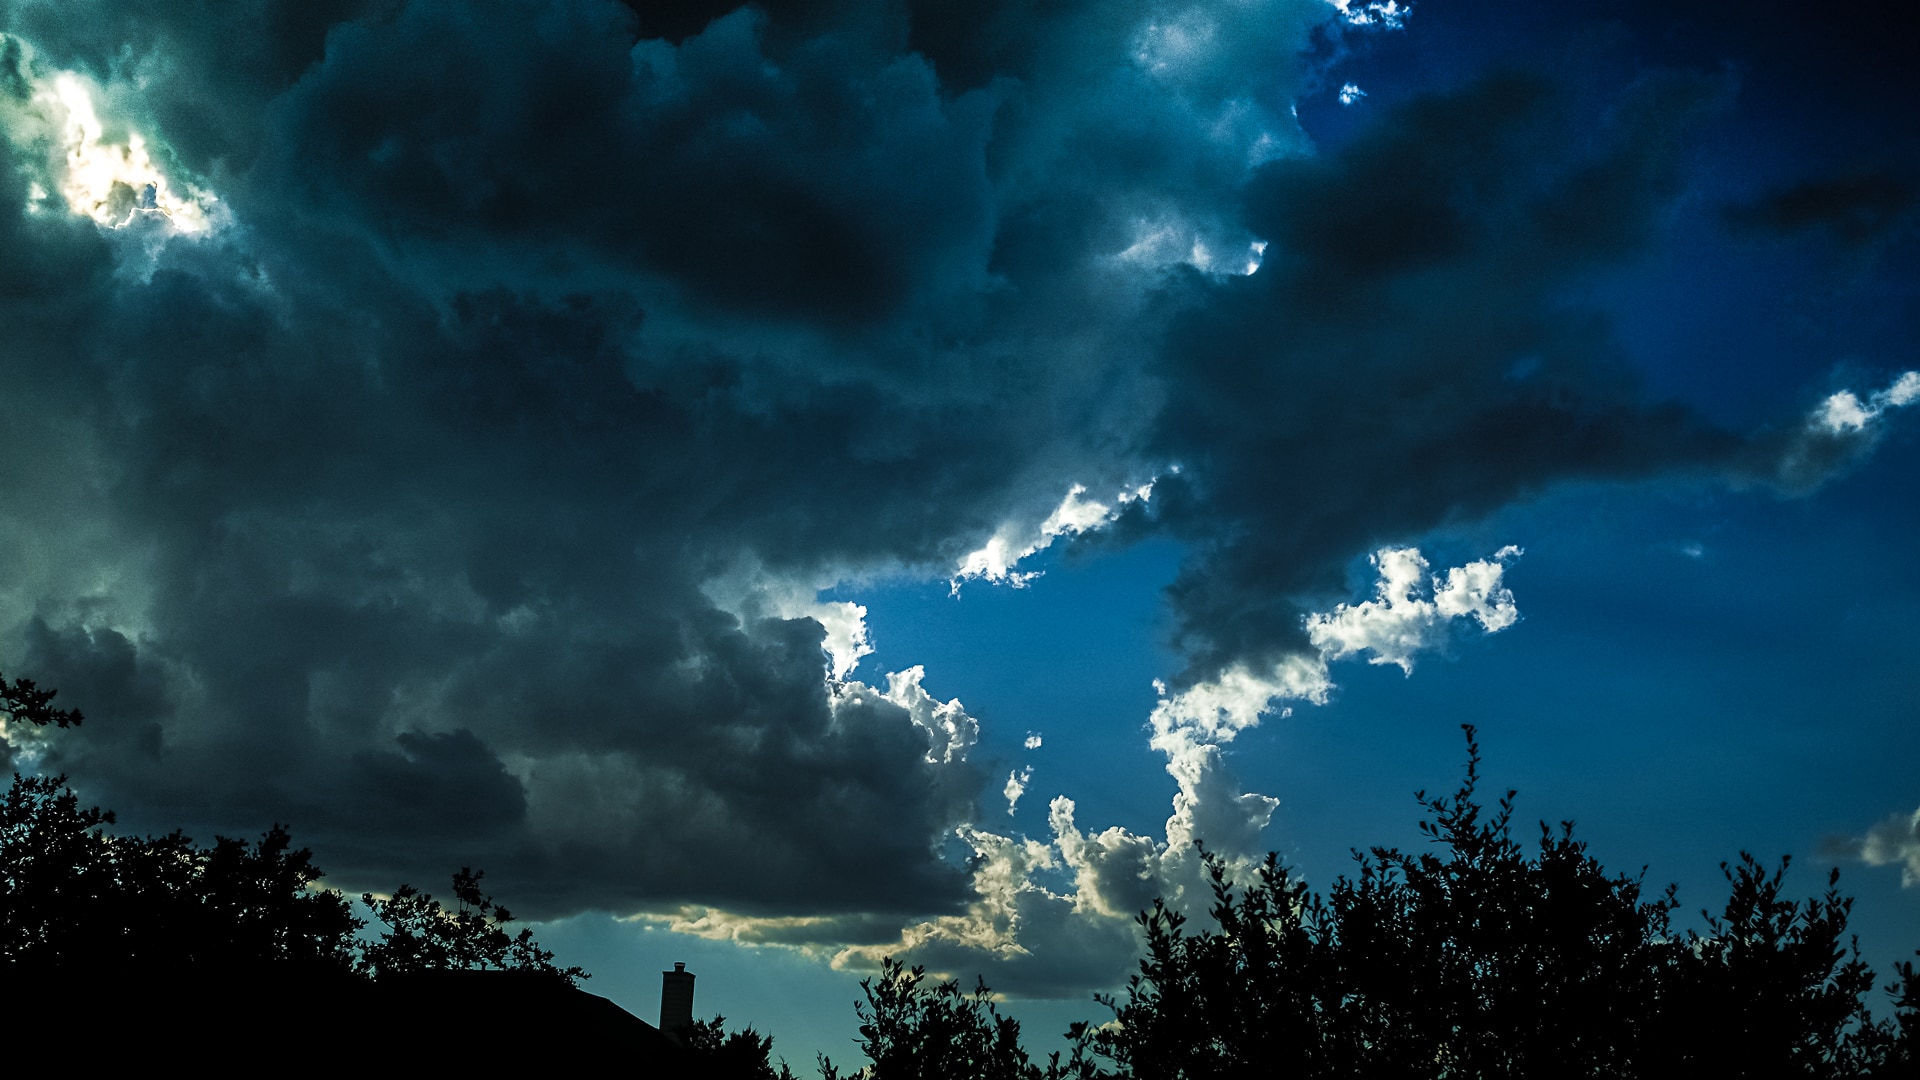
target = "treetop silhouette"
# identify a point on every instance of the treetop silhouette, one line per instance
(1479, 957)
(423, 936)
(26, 702)
(78, 899)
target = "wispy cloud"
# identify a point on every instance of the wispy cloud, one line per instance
(1013, 542)
(1833, 437)
(1409, 614)
(1893, 842)
(1844, 412)
(1016, 786)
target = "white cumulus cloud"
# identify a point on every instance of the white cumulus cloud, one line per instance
(1410, 613)
(1116, 873)
(747, 590)
(1391, 15)
(1024, 920)
(1844, 412)
(1016, 787)
(1836, 434)
(1895, 840)
(995, 561)
(950, 731)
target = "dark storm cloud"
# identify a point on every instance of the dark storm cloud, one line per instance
(438, 787)
(1856, 209)
(367, 548)
(388, 550)
(449, 500)
(117, 681)
(417, 569)
(1409, 353)
(845, 175)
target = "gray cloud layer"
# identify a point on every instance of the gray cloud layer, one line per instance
(390, 508)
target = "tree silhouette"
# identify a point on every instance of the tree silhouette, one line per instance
(913, 1031)
(74, 897)
(740, 1055)
(423, 936)
(913, 1035)
(1775, 986)
(1479, 959)
(78, 901)
(57, 865)
(1482, 957)
(26, 703)
(1899, 1051)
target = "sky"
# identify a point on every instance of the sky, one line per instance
(787, 485)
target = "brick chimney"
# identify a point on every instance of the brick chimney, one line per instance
(676, 1001)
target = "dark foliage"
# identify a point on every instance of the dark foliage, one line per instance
(1479, 959)
(78, 901)
(74, 896)
(424, 936)
(29, 704)
(738, 1055)
(1900, 1056)
(913, 1032)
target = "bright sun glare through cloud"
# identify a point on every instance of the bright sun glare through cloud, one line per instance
(112, 182)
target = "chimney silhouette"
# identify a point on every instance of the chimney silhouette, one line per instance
(676, 1001)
